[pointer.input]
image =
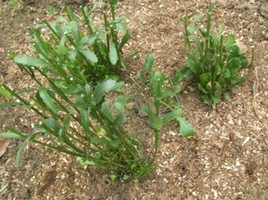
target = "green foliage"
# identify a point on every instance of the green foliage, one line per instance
(74, 116)
(77, 43)
(75, 119)
(72, 74)
(14, 2)
(214, 61)
(51, 10)
(162, 93)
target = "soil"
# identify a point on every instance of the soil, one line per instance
(227, 158)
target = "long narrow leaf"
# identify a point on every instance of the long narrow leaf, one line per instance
(149, 61)
(113, 54)
(20, 151)
(103, 88)
(47, 99)
(12, 135)
(84, 119)
(5, 93)
(89, 55)
(30, 61)
(7, 105)
(125, 38)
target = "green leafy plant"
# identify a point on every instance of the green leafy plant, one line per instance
(162, 93)
(214, 61)
(94, 50)
(75, 119)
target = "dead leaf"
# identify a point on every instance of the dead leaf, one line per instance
(175, 145)
(3, 146)
(222, 144)
(231, 136)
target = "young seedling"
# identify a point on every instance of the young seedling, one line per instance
(213, 61)
(161, 92)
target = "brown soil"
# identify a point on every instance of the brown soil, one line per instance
(225, 159)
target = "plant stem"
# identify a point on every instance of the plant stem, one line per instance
(106, 24)
(207, 45)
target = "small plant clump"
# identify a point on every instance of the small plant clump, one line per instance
(92, 49)
(215, 61)
(162, 93)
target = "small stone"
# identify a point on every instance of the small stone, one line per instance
(130, 106)
(242, 46)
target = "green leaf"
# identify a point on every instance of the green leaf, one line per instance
(113, 2)
(20, 151)
(102, 140)
(244, 61)
(43, 92)
(5, 93)
(234, 51)
(102, 88)
(30, 61)
(7, 105)
(149, 61)
(215, 99)
(89, 55)
(118, 86)
(159, 77)
(120, 118)
(84, 119)
(142, 77)
(84, 40)
(186, 128)
(113, 55)
(229, 42)
(205, 78)
(218, 70)
(157, 123)
(197, 18)
(120, 102)
(85, 162)
(196, 41)
(218, 90)
(51, 10)
(75, 31)
(183, 73)
(226, 96)
(12, 135)
(115, 143)
(202, 88)
(106, 111)
(172, 115)
(125, 38)
(68, 89)
(207, 100)
(194, 66)
(149, 112)
(52, 124)
(62, 49)
(73, 54)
